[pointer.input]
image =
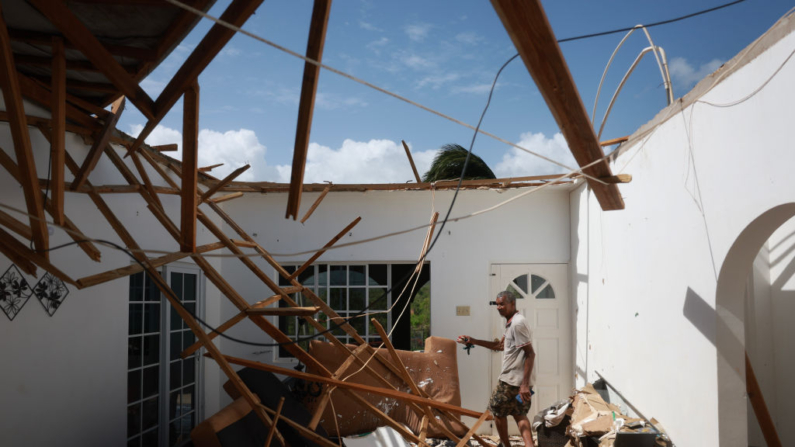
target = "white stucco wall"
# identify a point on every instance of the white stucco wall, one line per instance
(533, 229)
(646, 278)
(63, 379)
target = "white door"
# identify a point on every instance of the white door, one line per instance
(543, 298)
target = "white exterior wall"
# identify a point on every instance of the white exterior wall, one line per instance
(63, 379)
(533, 229)
(646, 278)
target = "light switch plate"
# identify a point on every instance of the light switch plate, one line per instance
(462, 311)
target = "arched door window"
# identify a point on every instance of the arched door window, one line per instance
(539, 288)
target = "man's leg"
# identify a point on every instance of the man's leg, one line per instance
(502, 430)
(525, 429)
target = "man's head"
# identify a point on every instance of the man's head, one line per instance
(506, 304)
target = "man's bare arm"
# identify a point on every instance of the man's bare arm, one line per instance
(493, 345)
(529, 362)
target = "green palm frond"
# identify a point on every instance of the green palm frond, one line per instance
(449, 162)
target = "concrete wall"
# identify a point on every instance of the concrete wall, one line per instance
(532, 229)
(63, 379)
(660, 285)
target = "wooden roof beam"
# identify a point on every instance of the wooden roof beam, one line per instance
(34, 91)
(225, 181)
(28, 178)
(45, 39)
(213, 42)
(529, 29)
(73, 29)
(190, 166)
(306, 106)
(39, 61)
(99, 144)
(58, 135)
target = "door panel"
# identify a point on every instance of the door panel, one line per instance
(543, 298)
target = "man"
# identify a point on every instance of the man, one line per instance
(517, 377)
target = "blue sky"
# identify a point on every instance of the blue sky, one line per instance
(443, 54)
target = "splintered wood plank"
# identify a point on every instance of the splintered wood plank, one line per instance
(316, 204)
(276, 417)
(58, 139)
(225, 198)
(210, 168)
(225, 181)
(284, 311)
(13, 244)
(99, 144)
(309, 434)
(532, 35)
(28, 178)
(328, 245)
(76, 32)
(166, 147)
(190, 160)
(110, 275)
(411, 161)
(473, 429)
(306, 105)
(37, 93)
(213, 42)
(14, 225)
(19, 259)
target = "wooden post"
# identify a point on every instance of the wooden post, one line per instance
(411, 161)
(58, 141)
(190, 164)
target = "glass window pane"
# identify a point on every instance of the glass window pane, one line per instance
(322, 318)
(338, 298)
(187, 399)
(136, 287)
(135, 442)
(151, 318)
(175, 373)
(357, 275)
(151, 292)
(151, 381)
(336, 322)
(546, 293)
(191, 307)
(357, 296)
(521, 282)
(323, 294)
(136, 318)
(322, 275)
(359, 323)
(515, 292)
(173, 407)
(151, 347)
(134, 386)
(536, 282)
(134, 352)
(184, 428)
(176, 284)
(150, 413)
(289, 269)
(339, 275)
(175, 346)
(377, 274)
(188, 371)
(150, 438)
(378, 300)
(133, 419)
(188, 338)
(189, 293)
(307, 277)
(382, 319)
(176, 320)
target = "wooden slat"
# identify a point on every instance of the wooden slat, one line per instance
(405, 397)
(38, 61)
(311, 435)
(190, 160)
(245, 244)
(213, 42)
(77, 33)
(37, 93)
(12, 96)
(306, 105)
(529, 29)
(58, 136)
(328, 245)
(225, 181)
(275, 422)
(210, 168)
(166, 147)
(613, 141)
(161, 172)
(14, 225)
(234, 195)
(473, 429)
(45, 39)
(145, 178)
(19, 259)
(13, 244)
(99, 145)
(411, 161)
(100, 278)
(424, 428)
(285, 311)
(316, 204)
(620, 178)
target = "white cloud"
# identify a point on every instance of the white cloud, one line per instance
(233, 148)
(477, 89)
(374, 161)
(517, 163)
(231, 51)
(332, 101)
(416, 62)
(417, 31)
(684, 74)
(436, 81)
(471, 38)
(368, 26)
(376, 45)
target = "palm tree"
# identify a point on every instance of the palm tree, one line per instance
(449, 162)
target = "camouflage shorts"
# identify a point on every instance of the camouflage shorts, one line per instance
(503, 401)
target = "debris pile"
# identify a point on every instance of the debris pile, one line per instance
(587, 420)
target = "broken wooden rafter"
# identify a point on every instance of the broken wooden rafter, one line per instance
(8, 248)
(76, 32)
(245, 244)
(58, 136)
(328, 245)
(11, 243)
(145, 178)
(613, 141)
(225, 198)
(213, 42)
(614, 179)
(284, 311)
(276, 417)
(225, 181)
(28, 179)
(316, 204)
(190, 160)
(411, 161)
(166, 147)
(306, 105)
(14, 225)
(210, 168)
(464, 441)
(529, 29)
(74, 65)
(34, 91)
(99, 144)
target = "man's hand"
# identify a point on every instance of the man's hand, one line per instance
(524, 392)
(464, 339)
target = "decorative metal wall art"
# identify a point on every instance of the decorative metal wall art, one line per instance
(14, 292)
(51, 292)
